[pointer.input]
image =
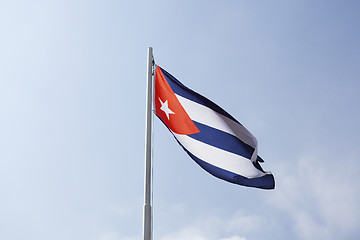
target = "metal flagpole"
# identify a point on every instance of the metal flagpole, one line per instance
(147, 231)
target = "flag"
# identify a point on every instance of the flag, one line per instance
(211, 137)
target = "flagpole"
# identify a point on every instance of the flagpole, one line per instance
(147, 231)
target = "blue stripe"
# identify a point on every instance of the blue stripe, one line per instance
(265, 182)
(222, 140)
(256, 164)
(186, 92)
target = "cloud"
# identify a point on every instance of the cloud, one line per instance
(189, 233)
(244, 223)
(320, 196)
(316, 198)
(110, 236)
(116, 236)
(119, 210)
(131, 238)
(193, 233)
(212, 226)
(234, 238)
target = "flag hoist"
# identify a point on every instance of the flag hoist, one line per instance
(214, 139)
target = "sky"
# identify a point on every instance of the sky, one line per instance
(72, 118)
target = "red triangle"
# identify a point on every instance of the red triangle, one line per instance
(179, 121)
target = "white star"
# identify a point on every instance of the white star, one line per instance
(165, 108)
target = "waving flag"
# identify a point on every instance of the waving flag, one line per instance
(212, 137)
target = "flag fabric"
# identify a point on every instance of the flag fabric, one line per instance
(211, 137)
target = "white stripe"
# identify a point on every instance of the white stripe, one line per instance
(219, 158)
(209, 117)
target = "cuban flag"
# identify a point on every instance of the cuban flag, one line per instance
(212, 137)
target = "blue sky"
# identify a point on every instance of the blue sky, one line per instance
(72, 118)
